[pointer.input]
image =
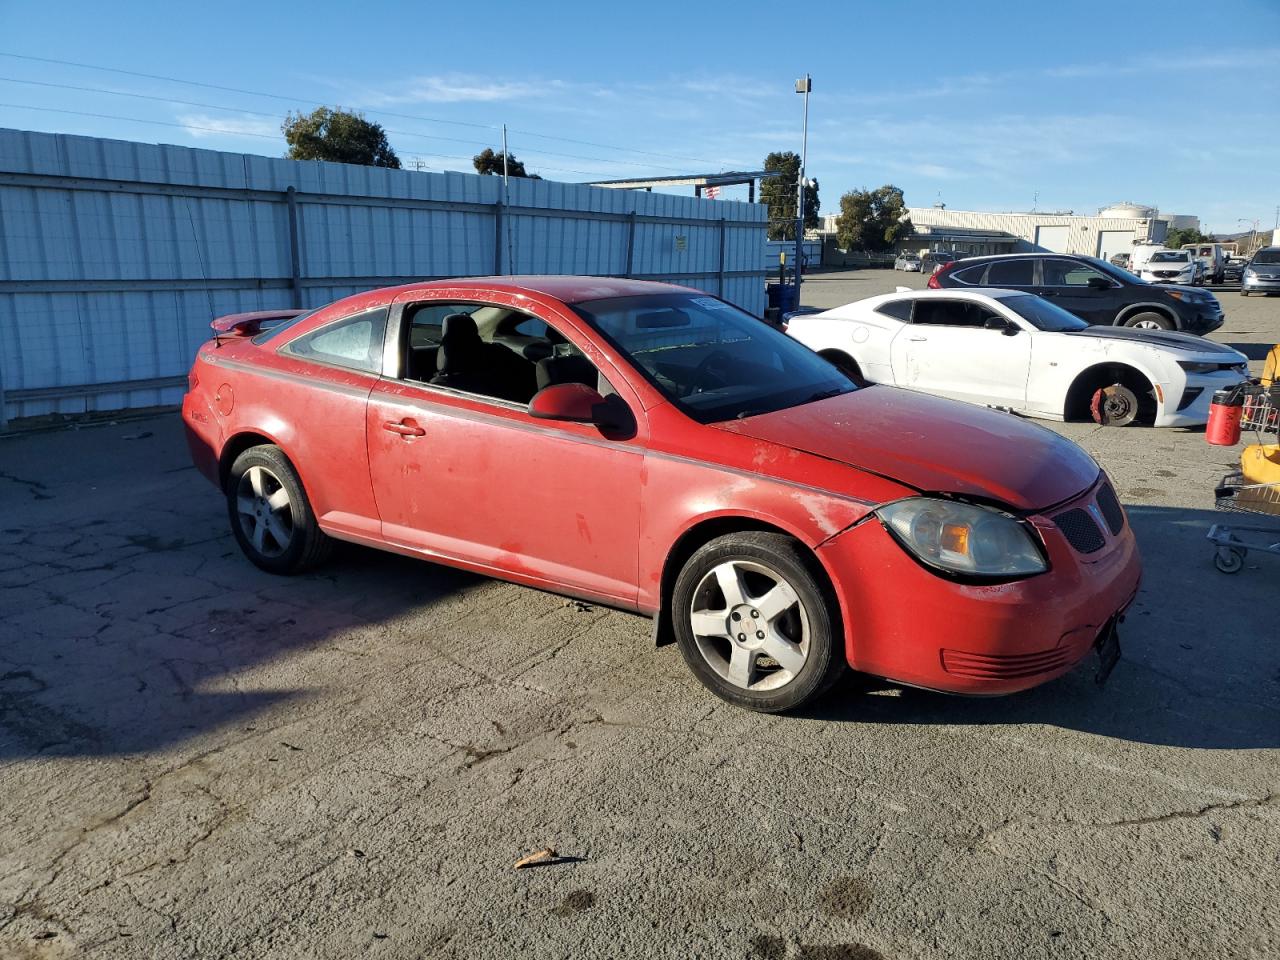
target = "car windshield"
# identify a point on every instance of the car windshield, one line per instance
(1042, 314)
(1267, 256)
(1171, 256)
(711, 359)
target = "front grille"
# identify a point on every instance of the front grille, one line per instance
(1112, 512)
(980, 666)
(1080, 530)
(1166, 274)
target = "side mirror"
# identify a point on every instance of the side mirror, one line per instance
(1001, 324)
(1099, 283)
(574, 402)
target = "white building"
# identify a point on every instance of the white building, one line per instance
(1114, 229)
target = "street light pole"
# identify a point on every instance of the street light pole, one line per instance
(803, 86)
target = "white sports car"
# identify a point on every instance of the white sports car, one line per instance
(1017, 351)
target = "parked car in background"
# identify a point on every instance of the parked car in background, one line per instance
(654, 448)
(1001, 348)
(1212, 257)
(1262, 273)
(1233, 268)
(930, 261)
(1172, 266)
(907, 262)
(1092, 289)
(1120, 260)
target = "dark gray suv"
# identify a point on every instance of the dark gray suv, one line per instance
(1097, 292)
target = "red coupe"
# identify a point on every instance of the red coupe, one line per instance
(654, 448)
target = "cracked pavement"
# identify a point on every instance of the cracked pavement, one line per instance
(198, 759)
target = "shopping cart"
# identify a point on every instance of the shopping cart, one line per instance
(1255, 487)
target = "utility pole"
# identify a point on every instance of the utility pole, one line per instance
(804, 86)
(504, 156)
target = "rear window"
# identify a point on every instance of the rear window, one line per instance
(898, 309)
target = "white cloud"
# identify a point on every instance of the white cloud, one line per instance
(201, 126)
(461, 88)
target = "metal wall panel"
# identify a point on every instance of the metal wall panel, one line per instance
(114, 256)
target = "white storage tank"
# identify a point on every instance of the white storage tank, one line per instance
(1128, 211)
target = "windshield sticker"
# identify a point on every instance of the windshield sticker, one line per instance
(709, 303)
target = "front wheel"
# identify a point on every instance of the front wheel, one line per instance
(1114, 406)
(271, 517)
(1229, 559)
(1149, 321)
(756, 624)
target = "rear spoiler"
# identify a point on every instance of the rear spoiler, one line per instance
(238, 326)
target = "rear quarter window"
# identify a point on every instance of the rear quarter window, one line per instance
(970, 275)
(898, 309)
(354, 342)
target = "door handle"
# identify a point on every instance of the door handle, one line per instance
(405, 428)
(918, 339)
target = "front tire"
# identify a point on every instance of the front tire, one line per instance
(755, 622)
(270, 515)
(1149, 321)
(1114, 406)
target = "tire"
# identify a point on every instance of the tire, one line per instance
(1229, 559)
(1149, 321)
(1244, 293)
(801, 622)
(1114, 406)
(270, 515)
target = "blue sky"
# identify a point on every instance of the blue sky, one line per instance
(988, 106)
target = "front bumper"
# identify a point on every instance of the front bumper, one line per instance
(911, 625)
(1260, 284)
(1190, 408)
(1208, 318)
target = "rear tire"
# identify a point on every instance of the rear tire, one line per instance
(846, 365)
(756, 623)
(270, 515)
(1149, 321)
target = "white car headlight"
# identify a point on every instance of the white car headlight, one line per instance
(964, 538)
(1250, 274)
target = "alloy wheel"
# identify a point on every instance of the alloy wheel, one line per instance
(750, 625)
(264, 511)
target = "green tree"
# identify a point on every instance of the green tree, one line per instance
(1177, 237)
(872, 220)
(339, 135)
(489, 163)
(780, 194)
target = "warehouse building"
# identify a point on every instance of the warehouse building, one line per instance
(1114, 229)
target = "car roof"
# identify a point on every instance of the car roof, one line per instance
(566, 289)
(951, 293)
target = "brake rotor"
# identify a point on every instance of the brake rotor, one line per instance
(1113, 405)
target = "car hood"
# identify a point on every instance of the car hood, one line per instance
(933, 445)
(1160, 338)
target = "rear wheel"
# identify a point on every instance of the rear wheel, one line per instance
(755, 622)
(1149, 321)
(271, 517)
(847, 365)
(1229, 559)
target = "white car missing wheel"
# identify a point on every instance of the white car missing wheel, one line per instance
(1003, 348)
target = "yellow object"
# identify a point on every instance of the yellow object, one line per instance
(1271, 368)
(1260, 465)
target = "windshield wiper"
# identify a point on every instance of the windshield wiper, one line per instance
(824, 395)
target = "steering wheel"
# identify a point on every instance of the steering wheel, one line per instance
(706, 369)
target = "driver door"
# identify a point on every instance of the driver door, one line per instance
(474, 478)
(948, 351)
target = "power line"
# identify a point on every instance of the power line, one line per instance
(262, 113)
(386, 113)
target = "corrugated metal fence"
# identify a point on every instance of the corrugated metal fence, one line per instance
(115, 255)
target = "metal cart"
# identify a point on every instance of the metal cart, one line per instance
(1260, 414)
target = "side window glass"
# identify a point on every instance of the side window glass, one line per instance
(971, 275)
(1068, 273)
(354, 342)
(950, 313)
(898, 309)
(1011, 273)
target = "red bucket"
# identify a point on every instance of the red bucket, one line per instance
(1223, 429)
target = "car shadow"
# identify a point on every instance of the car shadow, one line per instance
(1254, 351)
(1200, 666)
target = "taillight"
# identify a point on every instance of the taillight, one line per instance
(939, 271)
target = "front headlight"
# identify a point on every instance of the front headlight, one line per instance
(1192, 366)
(963, 538)
(1250, 274)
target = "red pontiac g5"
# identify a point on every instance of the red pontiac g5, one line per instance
(656, 449)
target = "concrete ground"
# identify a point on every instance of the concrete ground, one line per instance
(198, 759)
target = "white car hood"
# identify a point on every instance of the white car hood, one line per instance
(1187, 343)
